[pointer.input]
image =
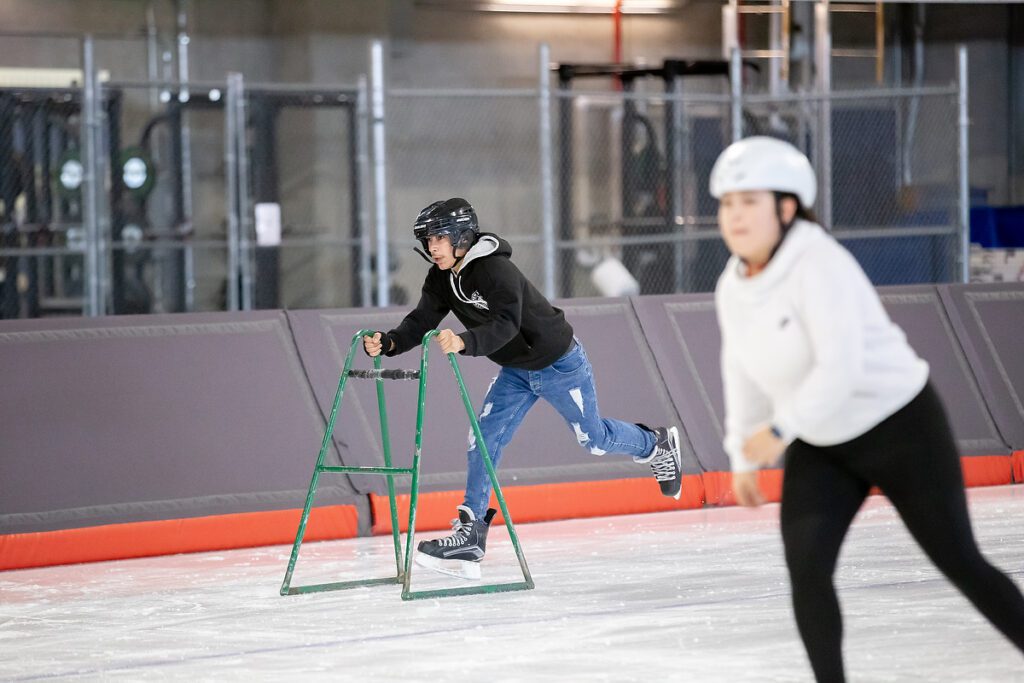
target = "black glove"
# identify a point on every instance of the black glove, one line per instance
(385, 341)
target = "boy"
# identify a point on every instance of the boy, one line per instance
(511, 323)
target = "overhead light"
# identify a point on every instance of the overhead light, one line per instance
(560, 6)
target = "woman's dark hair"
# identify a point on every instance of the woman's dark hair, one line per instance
(802, 212)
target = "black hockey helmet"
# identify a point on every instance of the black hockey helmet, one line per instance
(453, 217)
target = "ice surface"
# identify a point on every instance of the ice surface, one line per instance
(684, 596)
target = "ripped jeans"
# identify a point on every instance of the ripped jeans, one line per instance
(568, 385)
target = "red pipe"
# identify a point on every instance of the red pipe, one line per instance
(617, 39)
(617, 46)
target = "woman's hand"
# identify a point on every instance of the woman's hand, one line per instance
(745, 488)
(450, 342)
(763, 448)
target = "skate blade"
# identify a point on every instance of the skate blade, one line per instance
(460, 569)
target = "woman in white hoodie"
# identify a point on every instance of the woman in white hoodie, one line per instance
(812, 367)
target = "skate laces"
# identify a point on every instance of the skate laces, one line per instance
(664, 465)
(460, 532)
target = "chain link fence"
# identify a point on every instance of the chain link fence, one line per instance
(140, 196)
(888, 174)
(42, 240)
(633, 189)
(481, 145)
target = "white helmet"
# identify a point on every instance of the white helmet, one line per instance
(763, 163)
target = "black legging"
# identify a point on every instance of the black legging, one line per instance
(911, 456)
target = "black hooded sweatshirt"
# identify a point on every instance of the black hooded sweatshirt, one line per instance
(506, 318)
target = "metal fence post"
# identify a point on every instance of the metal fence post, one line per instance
(677, 151)
(363, 163)
(188, 256)
(90, 181)
(246, 251)
(736, 91)
(547, 175)
(963, 165)
(231, 182)
(823, 62)
(380, 185)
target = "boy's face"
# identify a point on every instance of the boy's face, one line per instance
(441, 251)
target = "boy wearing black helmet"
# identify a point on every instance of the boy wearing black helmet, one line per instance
(514, 325)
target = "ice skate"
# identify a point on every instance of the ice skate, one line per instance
(458, 554)
(665, 460)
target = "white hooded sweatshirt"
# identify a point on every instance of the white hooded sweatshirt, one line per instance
(808, 348)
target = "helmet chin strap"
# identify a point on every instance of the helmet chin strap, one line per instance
(425, 257)
(431, 261)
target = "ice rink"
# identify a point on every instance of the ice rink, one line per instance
(685, 596)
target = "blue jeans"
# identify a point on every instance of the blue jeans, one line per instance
(568, 385)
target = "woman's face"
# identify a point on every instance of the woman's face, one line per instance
(750, 225)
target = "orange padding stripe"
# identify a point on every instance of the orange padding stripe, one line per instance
(548, 502)
(1018, 466)
(987, 470)
(537, 503)
(167, 537)
(545, 502)
(718, 487)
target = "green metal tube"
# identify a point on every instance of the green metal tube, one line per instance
(385, 436)
(319, 464)
(469, 590)
(482, 445)
(421, 405)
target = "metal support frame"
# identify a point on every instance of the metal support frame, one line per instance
(823, 50)
(403, 565)
(241, 254)
(566, 171)
(736, 94)
(778, 51)
(678, 159)
(677, 152)
(91, 181)
(365, 261)
(546, 164)
(380, 170)
(963, 157)
(246, 219)
(231, 179)
(188, 256)
(251, 117)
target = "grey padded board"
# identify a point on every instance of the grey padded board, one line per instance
(683, 332)
(140, 418)
(322, 338)
(989, 321)
(920, 312)
(543, 451)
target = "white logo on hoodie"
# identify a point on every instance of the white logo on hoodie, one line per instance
(476, 300)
